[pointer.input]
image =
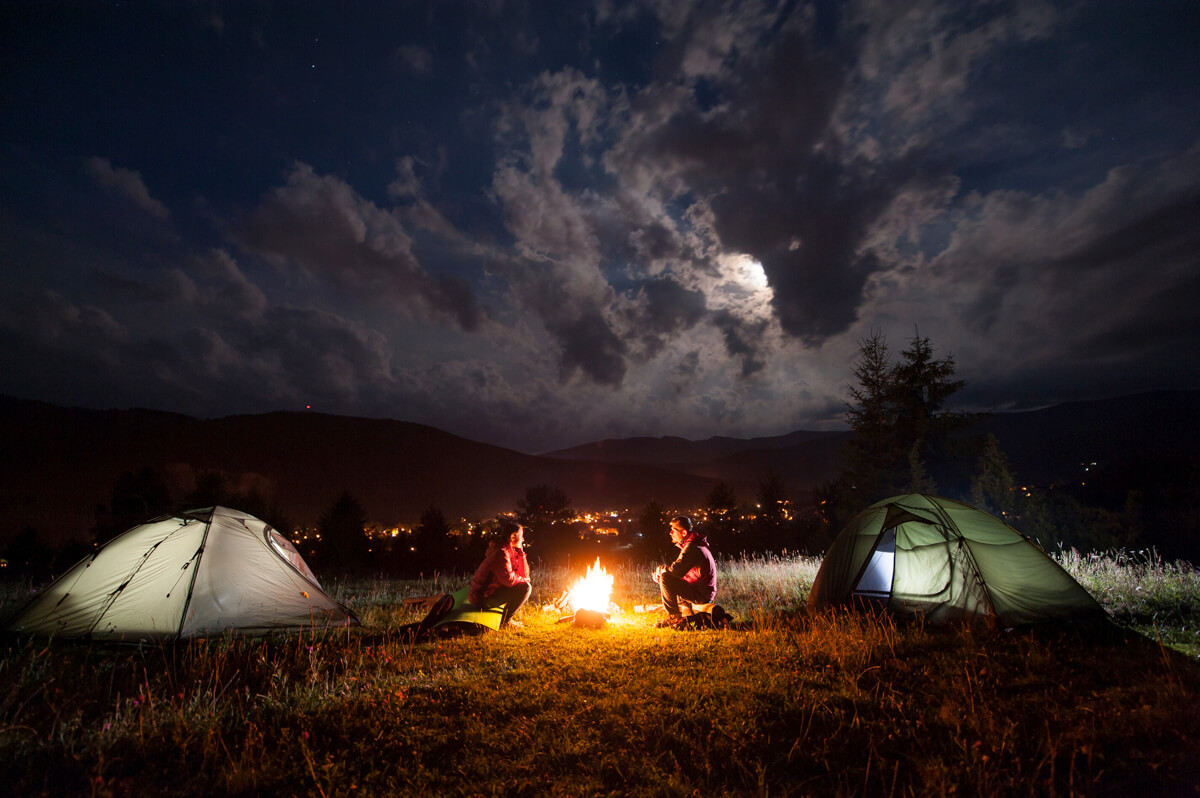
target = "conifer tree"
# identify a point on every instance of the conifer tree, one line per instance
(993, 488)
(897, 413)
(344, 543)
(432, 540)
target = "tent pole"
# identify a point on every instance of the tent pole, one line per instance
(195, 572)
(980, 584)
(121, 588)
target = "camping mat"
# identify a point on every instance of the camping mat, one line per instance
(465, 612)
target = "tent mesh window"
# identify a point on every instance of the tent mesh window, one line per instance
(285, 549)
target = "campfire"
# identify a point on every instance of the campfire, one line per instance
(588, 600)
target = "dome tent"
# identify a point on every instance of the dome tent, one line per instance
(195, 574)
(944, 560)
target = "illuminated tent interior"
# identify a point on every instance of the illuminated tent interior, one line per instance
(943, 560)
(200, 573)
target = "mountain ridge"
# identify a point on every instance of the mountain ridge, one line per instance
(63, 462)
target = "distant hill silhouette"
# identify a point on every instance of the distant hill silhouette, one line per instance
(1054, 444)
(679, 451)
(1043, 447)
(60, 463)
(804, 460)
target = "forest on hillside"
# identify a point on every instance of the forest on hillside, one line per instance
(904, 440)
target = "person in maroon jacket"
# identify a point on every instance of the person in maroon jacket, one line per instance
(693, 575)
(503, 576)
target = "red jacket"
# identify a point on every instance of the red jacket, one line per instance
(503, 566)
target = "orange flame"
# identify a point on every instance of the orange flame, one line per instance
(592, 592)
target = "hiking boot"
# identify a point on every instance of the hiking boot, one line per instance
(720, 618)
(671, 622)
(514, 624)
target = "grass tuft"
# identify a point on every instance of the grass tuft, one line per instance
(788, 702)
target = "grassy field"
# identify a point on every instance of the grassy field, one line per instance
(787, 703)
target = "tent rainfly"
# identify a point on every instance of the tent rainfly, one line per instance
(943, 560)
(200, 573)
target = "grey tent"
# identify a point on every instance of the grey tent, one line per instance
(945, 560)
(199, 573)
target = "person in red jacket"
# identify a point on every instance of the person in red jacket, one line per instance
(503, 576)
(693, 575)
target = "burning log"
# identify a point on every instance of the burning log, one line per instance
(560, 604)
(590, 619)
(588, 599)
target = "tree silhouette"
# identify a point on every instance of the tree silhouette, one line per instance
(772, 494)
(212, 489)
(722, 525)
(652, 524)
(869, 458)
(546, 512)
(344, 544)
(137, 496)
(921, 385)
(432, 541)
(722, 500)
(898, 416)
(27, 556)
(993, 488)
(544, 505)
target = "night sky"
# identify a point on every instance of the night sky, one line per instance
(538, 224)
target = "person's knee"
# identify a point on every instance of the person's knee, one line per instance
(673, 584)
(518, 594)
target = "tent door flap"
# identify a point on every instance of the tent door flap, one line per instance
(876, 578)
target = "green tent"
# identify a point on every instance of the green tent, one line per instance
(463, 611)
(943, 560)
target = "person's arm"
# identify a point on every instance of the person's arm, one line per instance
(482, 579)
(683, 563)
(510, 577)
(522, 567)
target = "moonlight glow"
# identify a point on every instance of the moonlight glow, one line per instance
(594, 219)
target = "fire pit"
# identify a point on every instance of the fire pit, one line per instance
(590, 619)
(588, 600)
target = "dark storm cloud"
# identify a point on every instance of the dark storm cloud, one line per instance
(1080, 267)
(555, 269)
(654, 242)
(807, 227)
(290, 356)
(780, 189)
(1143, 321)
(590, 345)
(321, 225)
(742, 340)
(322, 355)
(475, 215)
(666, 310)
(1143, 237)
